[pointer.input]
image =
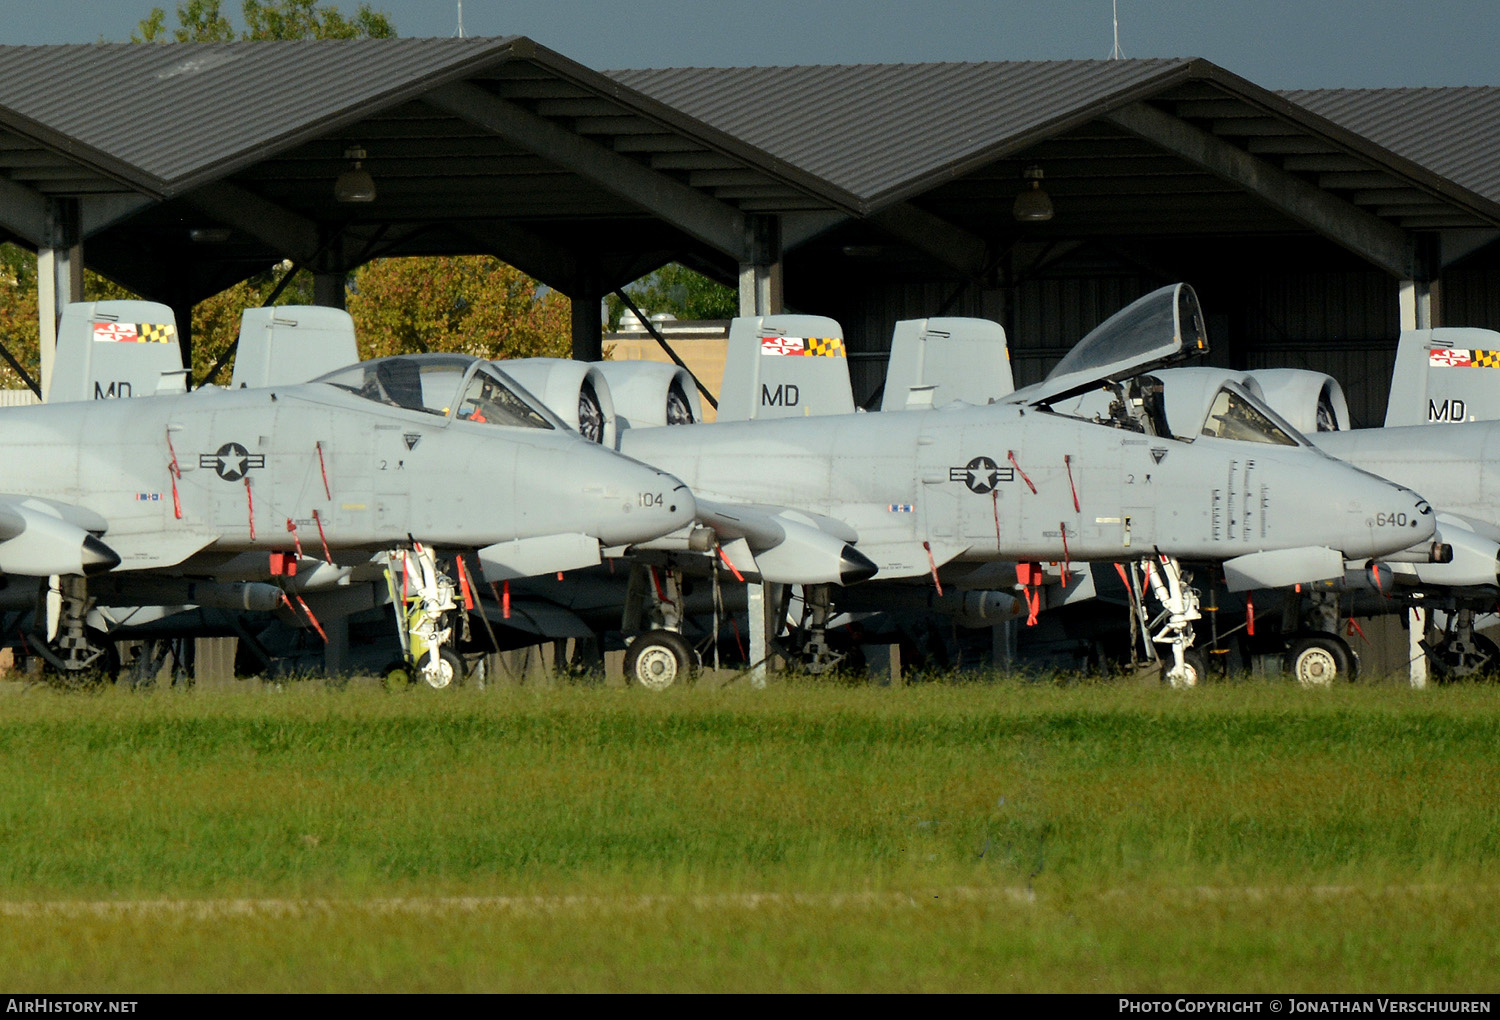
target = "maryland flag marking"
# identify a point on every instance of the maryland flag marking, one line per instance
(1460, 358)
(801, 347)
(133, 332)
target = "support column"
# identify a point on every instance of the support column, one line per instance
(1417, 300)
(588, 319)
(760, 276)
(329, 289)
(59, 278)
(336, 651)
(760, 294)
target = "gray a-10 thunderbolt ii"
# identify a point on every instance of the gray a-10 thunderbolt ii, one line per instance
(1020, 480)
(200, 498)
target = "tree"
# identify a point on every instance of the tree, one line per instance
(18, 319)
(678, 291)
(204, 21)
(469, 304)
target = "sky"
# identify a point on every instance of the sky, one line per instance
(1275, 43)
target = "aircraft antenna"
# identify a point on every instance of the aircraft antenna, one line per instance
(1114, 54)
(461, 21)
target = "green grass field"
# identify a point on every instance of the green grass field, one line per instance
(1004, 836)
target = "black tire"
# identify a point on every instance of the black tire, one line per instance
(659, 659)
(1320, 660)
(1479, 660)
(1197, 668)
(450, 673)
(102, 671)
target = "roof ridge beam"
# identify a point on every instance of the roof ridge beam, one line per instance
(23, 211)
(715, 223)
(1368, 236)
(294, 236)
(935, 237)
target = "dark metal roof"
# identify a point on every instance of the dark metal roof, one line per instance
(1450, 131)
(885, 133)
(167, 117)
(187, 124)
(878, 129)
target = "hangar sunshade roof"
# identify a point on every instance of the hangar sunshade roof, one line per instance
(1128, 147)
(475, 145)
(579, 177)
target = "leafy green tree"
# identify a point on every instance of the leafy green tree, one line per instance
(469, 304)
(18, 317)
(301, 19)
(678, 291)
(204, 21)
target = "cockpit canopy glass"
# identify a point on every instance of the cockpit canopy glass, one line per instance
(1235, 414)
(487, 399)
(1162, 324)
(430, 383)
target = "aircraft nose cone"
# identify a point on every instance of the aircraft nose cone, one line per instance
(855, 566)
(657, 504)
(1392, 517)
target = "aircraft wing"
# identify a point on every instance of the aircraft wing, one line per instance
(1163, 327)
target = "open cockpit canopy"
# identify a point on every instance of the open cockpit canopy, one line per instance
(1158, 329)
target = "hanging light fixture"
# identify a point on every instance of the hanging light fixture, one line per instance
(1033, 205)
(355, 184)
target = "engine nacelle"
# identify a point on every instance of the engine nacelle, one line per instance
(575, 391)
(1311, 401)
(651, 393)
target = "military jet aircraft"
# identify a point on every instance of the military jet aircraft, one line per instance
(301, 484)
(1021, 480)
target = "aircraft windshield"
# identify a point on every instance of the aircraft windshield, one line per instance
(426, 383)
(1234, 415)
(488, 399)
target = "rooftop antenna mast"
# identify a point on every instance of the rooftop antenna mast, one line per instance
(461, 21)
(1114, 54)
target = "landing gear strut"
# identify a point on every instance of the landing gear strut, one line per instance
(661, 657)
(1457, 653)
(1179, 604)
(816, 654)
(423, 598)
(79, 655)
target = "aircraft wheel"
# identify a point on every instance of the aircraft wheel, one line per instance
(396, 676)
(103, 668)
(659, 659)
(1319, 660)
(1475, 659)
(449, 671)
(1193, 663)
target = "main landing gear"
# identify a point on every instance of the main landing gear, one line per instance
(1185, 667)
(76, 655)
(1458, 653)
(422, 596)
(658, 658)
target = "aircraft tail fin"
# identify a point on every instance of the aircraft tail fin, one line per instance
(116, 349)
(942, 360)
(287, 344)
(1450, 374)
(785, 366)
